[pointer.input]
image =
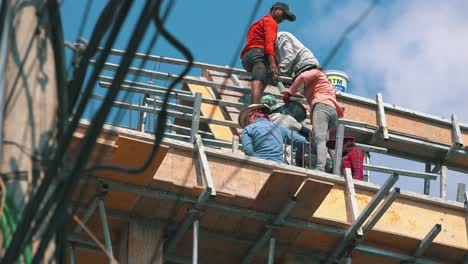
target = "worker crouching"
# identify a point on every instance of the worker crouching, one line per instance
(263, 139)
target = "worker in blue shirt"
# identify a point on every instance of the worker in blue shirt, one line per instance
(263, 139)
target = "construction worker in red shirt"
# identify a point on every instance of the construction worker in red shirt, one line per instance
(352, 156)
(258, 54)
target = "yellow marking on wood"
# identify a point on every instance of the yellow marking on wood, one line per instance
(212, 111)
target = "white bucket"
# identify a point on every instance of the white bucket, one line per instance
(338, 79)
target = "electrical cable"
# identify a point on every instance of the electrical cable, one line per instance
(152, 155)
(57, 40)
(84, 20)
(347, 31)
(75, 120)
(60, 216)
(123, 12)
(33, 205)
(103, 23)
(111, 39)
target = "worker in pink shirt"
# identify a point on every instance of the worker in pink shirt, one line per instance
(320, 95)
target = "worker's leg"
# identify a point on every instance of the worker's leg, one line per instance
(259, 75)
(332, 123)
(257, 91)
(320, 121)
(254, 61)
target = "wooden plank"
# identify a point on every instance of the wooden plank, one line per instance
(350, 198)
(132, 153)
(311, 196)
(212, 111)
(232, 177)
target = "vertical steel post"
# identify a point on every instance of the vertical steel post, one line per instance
(443, 182)
(367, 176)
(196, 116)
(338, 149)
(292, 148)
(140, 117)
(130, 119)
(105, 228)
(72, 255)
(427, 182)
(271, 251)
(461, 192)
(457, 140)
(381, 116)
(193, 133)
(196, 226)
(303, 155)
(235, 144)
(310, 151)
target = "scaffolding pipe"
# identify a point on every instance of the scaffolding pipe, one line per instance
(351, 232)
(279, 219)
(188, 221)
(87, 214)
(72, 255)
(427, 241)
(271, 251)
(338, 149)
(105, 229)
(196, 116)
(427, 182)
(196, 226)
(380, 211)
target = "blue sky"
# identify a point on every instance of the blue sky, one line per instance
(410, 51)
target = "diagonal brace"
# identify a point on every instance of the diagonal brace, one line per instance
(351, 233)
(268, 232)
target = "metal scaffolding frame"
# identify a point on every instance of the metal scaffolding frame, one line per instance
(78, 241)
(350, 238)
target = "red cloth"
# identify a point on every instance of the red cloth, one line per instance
(354, 160)
(262, 34)
(254, 115)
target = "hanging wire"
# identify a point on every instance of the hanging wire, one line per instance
(347, 31)
(22, 233)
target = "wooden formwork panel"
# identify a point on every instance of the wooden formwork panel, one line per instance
(133, 153)
(212, 111)
(241, 184)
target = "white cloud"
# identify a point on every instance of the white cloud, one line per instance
(420, 56)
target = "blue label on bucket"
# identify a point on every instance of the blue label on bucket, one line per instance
(340, 88)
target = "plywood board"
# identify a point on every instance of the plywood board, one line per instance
(230, 177)
(212, 111)
(132, 153)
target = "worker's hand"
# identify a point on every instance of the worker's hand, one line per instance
(286, 96)
(273, 70)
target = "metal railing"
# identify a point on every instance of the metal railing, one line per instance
(150, 107)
